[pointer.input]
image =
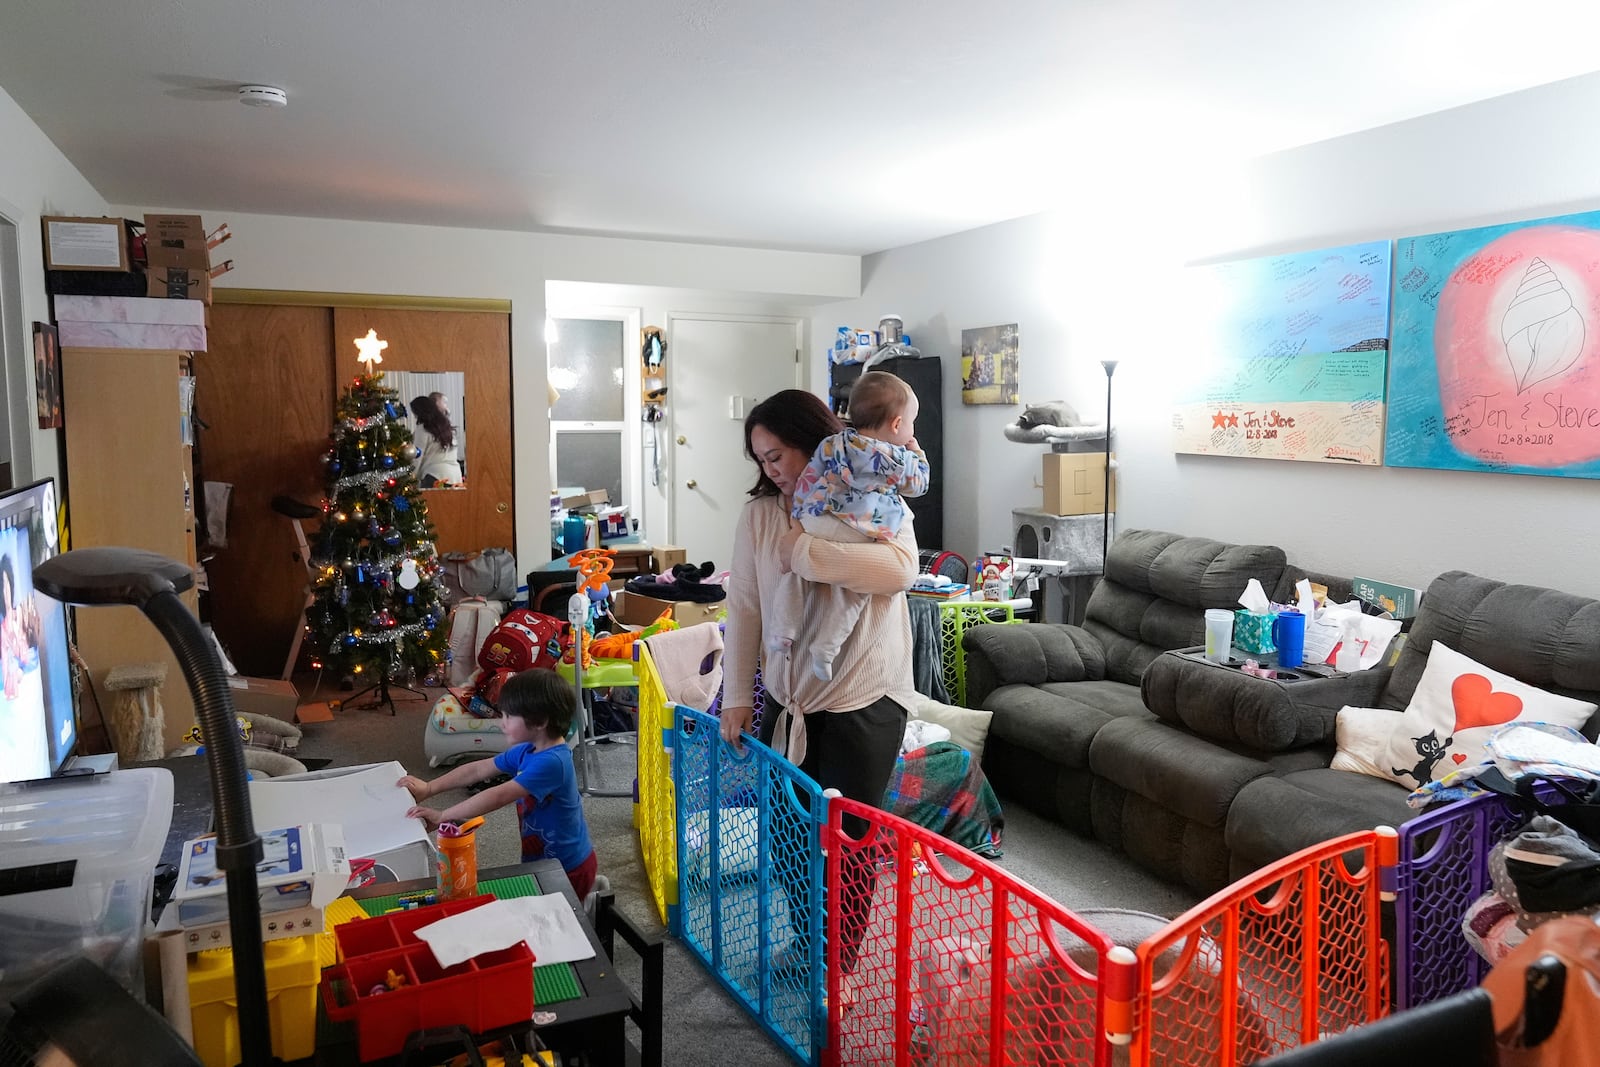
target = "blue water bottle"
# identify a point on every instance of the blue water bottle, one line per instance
(574, 532)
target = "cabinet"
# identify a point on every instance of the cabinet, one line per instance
(129, 482)
(926, 378)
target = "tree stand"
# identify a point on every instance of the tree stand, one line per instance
(383, 697)
(138, 723)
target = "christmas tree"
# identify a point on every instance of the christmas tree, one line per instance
(377, 611)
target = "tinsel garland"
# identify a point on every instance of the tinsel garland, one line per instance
(423, 548)
(379, 637)
(372, 479)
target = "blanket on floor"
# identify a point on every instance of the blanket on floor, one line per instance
(942, 788)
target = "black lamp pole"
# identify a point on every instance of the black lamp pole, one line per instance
(1105, 501)
(94, 576)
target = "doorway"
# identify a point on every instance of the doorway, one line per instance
(719, 367)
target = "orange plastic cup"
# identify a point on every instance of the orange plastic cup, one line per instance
(458, 867)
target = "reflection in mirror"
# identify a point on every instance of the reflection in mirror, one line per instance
(436, 408)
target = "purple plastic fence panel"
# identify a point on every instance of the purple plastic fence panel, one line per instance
(1443, 868)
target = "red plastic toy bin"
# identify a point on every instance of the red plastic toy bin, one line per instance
(485, 993)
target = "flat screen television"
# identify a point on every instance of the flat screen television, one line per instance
(38, 723)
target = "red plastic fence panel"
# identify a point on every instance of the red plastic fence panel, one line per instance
(937, 956)
(1292, 953)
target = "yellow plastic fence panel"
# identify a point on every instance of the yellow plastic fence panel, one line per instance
(956, 617)
(657, 816)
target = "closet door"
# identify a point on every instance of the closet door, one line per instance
(478, 345)
(266, 391)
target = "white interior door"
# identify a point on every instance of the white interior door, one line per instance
(719, 367)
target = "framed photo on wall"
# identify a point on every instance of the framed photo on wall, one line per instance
(989, 365)
(47, 375)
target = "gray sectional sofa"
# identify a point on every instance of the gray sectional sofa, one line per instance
(1198, 772)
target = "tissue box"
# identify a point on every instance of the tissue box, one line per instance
(1252, 631)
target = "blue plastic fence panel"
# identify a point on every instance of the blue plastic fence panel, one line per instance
(750, 878)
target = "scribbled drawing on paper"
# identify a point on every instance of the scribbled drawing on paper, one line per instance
(1543, 330)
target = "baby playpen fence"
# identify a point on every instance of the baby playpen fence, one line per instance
(750, 877)
(956, 617)
(1443, 868)
(960, 962)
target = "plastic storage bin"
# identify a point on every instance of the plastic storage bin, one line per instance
(484, 993)
(87, 847)
(292, 974)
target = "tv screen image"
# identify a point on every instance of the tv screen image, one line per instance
(38, 728)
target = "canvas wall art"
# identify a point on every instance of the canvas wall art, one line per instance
(989, 365)
(1496, 362)
(1289, 357)
(47, 376)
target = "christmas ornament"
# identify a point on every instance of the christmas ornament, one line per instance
(387, 462)
(408, 576)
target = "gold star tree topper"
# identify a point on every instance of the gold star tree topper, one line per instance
(371, 349)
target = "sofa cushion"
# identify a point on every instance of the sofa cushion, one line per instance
(1030, 654)
(1277, 816)
(1227, 705)
(1538, 636)
(1060, 719)
(1177, 770)
(1157, 587)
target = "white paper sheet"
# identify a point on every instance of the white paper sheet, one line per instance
(546, 923)
(368, 804)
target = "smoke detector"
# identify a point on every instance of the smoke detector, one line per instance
(263, 96)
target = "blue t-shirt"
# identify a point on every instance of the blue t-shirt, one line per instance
(551, 815)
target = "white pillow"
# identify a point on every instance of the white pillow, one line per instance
(1457, 706)
(969, 727)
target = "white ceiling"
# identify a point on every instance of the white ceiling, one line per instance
(832, 125)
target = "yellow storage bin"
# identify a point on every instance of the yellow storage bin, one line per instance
(292, 975)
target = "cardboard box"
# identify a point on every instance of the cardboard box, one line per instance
(635, 609)
(133, 334)
(320, 711)
(140, 309)
(76, 243)
(176, 241)
(666, 557)
(264, 696)
(178, 283)
(591, 498)
(1074, 483)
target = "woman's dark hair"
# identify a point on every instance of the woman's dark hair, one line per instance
(540, 698)
(430, 418)
(795, 417)
(10, 577)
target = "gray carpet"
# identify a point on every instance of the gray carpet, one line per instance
(702, 1023)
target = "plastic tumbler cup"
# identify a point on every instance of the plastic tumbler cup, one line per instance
(1219, 634)
(1289, 634)
(458, 867)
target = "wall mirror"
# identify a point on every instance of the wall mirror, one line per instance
(436, 413)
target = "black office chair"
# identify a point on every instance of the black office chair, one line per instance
(1457, 1030)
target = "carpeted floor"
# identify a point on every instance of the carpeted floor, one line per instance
(703, 1026)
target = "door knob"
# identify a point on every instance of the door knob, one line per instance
(690, 484)
(682, 440)
(502, 507)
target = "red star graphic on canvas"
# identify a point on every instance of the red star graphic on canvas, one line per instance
(1233, 420)
(1219, 421)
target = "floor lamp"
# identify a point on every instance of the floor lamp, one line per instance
(1105, 501)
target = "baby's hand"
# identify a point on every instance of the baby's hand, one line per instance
(429, 817)
(418, 789)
